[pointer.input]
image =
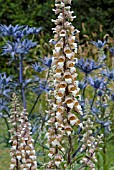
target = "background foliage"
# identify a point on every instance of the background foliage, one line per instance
(39, 13)
(94, 18)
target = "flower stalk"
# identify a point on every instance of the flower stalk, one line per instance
(22, 151)
(65, 108)
(21, 80)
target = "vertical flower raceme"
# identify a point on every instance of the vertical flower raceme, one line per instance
(22, 151)
(90, 140)
(65, 108)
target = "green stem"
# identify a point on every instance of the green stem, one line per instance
(21, 80)
(16, 130)
(8, 128)
(104, 154)
(83, 93)
(94, 98)
(33, 107)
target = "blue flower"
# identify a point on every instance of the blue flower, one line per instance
(18, 31)
(31, 30)
(87, 66)
(96, 82)
(47, 61)
(109, 74)
(4, 80)
(112, 50)
(100, 93)
(37, 67)
(19, 47)
(5, 87)
(105, 124)
(99, 44)
(9, 30)
(41, 87)
(82, 85)
(12, 48)
(27, 45)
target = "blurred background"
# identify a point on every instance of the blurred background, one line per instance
(95, 19)
(92, 16)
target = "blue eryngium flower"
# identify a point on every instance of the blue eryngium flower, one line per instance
(99, 44)
(31, 30)
(19, 47)
(47, 61)
(112, 50)
(87, 66)
(18, 31)
(97, 83)
(37, 67)
(109, 74)
(106, 124)
(5, 87)
(4, 80)
(100, 93)
(9, 30)
(27, 45)
(82, 85)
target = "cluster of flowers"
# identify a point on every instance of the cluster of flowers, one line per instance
(96, 120)
(20, 44)
(89, 141)
(65, 104)
(22, 151)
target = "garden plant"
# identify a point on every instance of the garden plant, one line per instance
(58, 110)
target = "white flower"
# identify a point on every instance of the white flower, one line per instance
(12, 166)
(76, 83)
(59, 99)
(55, 142)
(68, 80)
(69, 55)
(62, 90)
(57, 163)
(28, 164)
(32, 157)
(28, 152)
(19, 157)
(14, 147)
(79, 107)
(81, 125)
(31, 145)
(70, 105)
(72, 69)
(62, 33)
(69, 133)
(50, 155)
(54, 107)
(58, 75)
(57, 48)
(61, 64)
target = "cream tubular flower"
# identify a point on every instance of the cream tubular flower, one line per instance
(62, 87)
(68, 77)
(58, 46)
(68, 52)
(70, 102)
(58, 159)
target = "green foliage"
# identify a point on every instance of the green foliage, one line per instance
(94, 14)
